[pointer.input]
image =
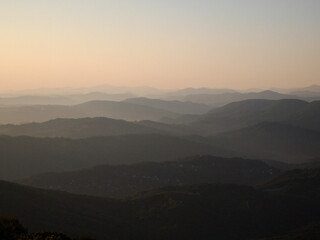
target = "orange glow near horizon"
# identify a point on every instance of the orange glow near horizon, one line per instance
(74, 44)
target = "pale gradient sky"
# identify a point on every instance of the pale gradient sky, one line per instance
(165, 44)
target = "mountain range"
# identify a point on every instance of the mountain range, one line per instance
(233, 116)
(195, 163)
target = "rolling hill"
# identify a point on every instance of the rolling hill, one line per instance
(117, 110)
(58, 154)
(123, 110)
(308, 117)
(77, 128)
(250, 112)
(219, 100)
(92, 127)
(182, 93)
(62, 99)
(245, 113)
(99, 96)
(126, 180)
(36, 100)
(272, 140)
(171, 106)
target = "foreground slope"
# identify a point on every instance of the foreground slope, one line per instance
(222, 212)
(225, 212)
(304, 182)
(308, 232)
(41, 210)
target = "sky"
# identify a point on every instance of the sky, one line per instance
(164, 44)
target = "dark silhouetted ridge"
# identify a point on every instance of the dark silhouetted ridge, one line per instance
(120, 181)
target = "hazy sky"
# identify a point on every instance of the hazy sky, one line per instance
(166, 44)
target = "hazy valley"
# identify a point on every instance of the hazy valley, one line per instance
(160, 120)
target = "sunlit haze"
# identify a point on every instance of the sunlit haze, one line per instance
(164, 44)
